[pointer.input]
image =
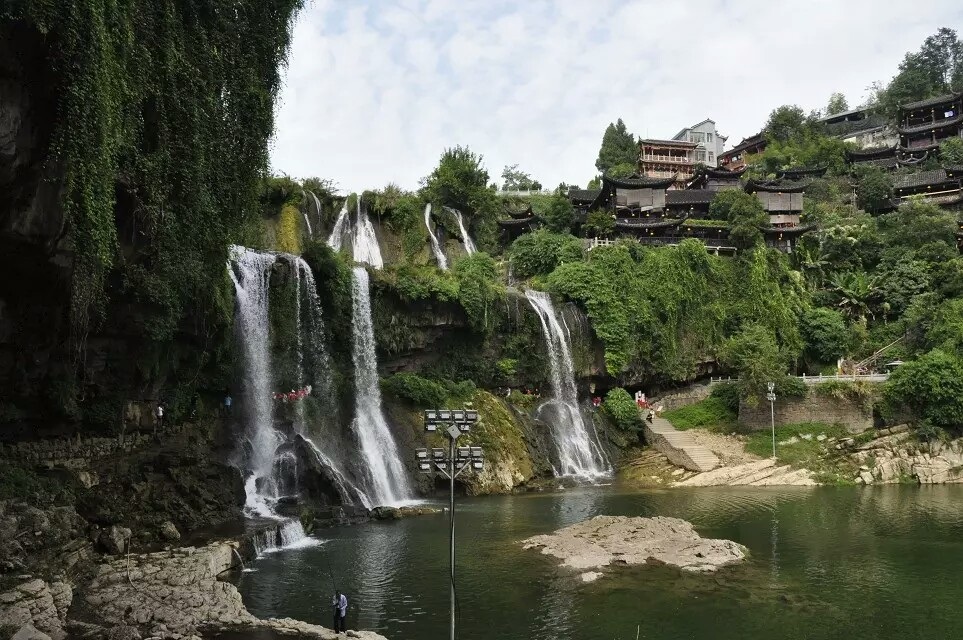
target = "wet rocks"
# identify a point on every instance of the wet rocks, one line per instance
(169, 532)
(114, 539)
(606, 540)
(36, 607)
(397, 513)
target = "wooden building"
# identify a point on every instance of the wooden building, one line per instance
(517, 220)
(735, 158)
(943, 187)
(716, 179)
(632, 197)
(882, 157)
(923, 125)
(800, 173)
(668, 159)
(783, 201)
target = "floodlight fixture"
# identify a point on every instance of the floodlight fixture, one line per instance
(421, 454)
(424, 467)
(476, 452)
(477, 464)
(438, 454)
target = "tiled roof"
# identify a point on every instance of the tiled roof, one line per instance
(642, 223)
(929, 126)
(870, 152)
(882, 163)
(776, 186)
(920, 179)
(689, 196)
(930, 102)
(796, 172)
(583, 195)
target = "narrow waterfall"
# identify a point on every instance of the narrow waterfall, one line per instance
(312, 352)
(577, 445)
(440, 257)
(307, 223)
(465, 238)
(387, 479)
(342, 228)
(365, 244)
(251, 274)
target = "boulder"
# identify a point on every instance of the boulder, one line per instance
(123, 632)
(114, 540)
(28, 632)
(169, 532)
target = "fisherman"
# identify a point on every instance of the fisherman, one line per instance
(228, 401)
(340, 604)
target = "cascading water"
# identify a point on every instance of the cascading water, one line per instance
(387, 479)
(465, 238)
(440, 257)
(579, 451)
(342, 228)
(251, 275)
(365, 244)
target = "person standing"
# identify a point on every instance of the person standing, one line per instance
(340, 603)
(228, 401)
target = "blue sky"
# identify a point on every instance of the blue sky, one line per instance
(374, 91)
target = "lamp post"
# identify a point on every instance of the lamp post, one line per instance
(454, 423)
(771, 397)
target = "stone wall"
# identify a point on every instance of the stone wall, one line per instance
(853, 414)
(684, 397)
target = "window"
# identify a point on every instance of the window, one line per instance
(712, 157)
(700, 156)
(709, 139)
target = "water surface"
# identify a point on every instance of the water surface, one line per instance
(854, 563)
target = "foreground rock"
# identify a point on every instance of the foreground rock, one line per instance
(761, 473)
(172, 594)
(608, 540)
(896, 456)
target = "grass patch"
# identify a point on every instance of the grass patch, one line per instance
(793, 449)
(713, 413)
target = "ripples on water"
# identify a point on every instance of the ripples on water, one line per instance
(875, 562)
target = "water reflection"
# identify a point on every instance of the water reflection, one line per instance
(857, 563)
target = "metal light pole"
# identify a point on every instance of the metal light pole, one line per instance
(771, 397)
(455, 423)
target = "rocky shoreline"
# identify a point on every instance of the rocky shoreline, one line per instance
(604, 541)
(172, 594)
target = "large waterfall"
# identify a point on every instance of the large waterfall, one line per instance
(436, 249)
(387, 478)
(251, 275)
(465, 238)
(576, 443)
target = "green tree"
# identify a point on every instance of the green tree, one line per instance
(618, 147)
(540, 252)
(559, 215)
(854, 291)
(900, 281)
(599, 223)
(837, 104)
(875, 189)
(478, 288)
(935, 69)
(951, 152)
(623, 170)
(745, 214)
(514, 179)
(458, 179)
(754, 355)
(930, 387)
(785, 123)
(620, 406)
(825, 334)
(916, 224)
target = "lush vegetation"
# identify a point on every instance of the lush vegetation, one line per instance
(623, 411)
(798, 445)
(714, 413)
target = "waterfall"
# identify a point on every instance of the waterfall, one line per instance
(289, 535)
(387, 479)
(577, 445)
(310, 341)
(307, 223)
(435, 246)
(365, 244)
(342, 228)
(251, 275)
(465, 238)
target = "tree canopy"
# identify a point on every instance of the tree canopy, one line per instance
(837, 104)
(936, 69)
(618, 147)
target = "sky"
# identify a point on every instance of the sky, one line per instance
(375, 91)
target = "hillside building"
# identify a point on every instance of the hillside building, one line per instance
(736, 158)
(661, 159)
(923, 125)
(861, 126)
(709, 144)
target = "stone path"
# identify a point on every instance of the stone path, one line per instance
(678, 446)
(756, 474)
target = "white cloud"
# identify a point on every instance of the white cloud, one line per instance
(375, 91)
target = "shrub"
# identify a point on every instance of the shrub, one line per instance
(420, 391)
(729, 395)
(507, 367)
(825, 334)
(931, 387)
(540, 252)
(713, 413)
(620, 406)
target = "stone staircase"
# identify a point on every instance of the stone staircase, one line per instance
(679, 447)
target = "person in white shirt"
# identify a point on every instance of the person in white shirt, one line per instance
(340, 604)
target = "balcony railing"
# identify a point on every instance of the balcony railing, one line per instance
(673, 159)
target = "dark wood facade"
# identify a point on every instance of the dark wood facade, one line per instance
(923, 125)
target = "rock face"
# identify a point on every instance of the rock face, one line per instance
(38, 605)
(758, 473)
(607, 540)
(895, 457)
(178, 592)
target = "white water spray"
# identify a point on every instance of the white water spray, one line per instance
(440, 257)
(388, 481)
(365, 244)
(251, 275)
(342, 228)
(579, 451)
(465, 238)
